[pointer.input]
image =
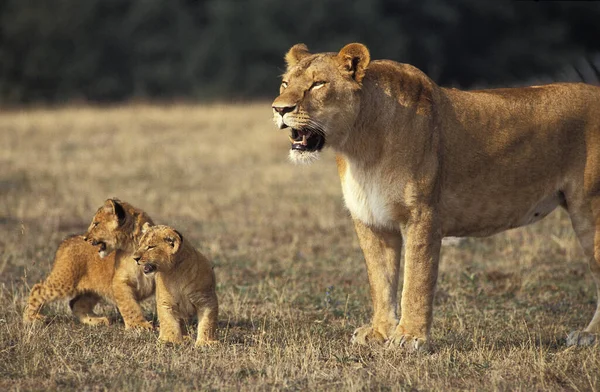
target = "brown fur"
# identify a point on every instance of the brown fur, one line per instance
(86, 274)
(185, 284)
(419, 162)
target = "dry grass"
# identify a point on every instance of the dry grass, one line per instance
(292, 284)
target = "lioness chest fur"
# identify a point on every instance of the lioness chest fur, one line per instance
(366, 199)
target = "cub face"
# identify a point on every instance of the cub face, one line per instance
(157, 249)
(104, 230)
(319, 98)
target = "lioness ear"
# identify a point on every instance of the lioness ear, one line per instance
(114, 206)
(175, 240)
(295, 54)
(355, 59)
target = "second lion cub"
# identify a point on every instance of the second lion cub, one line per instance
(185, 283)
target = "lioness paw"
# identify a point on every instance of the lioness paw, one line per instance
(407, 342)
(366, 335)
(582, 338)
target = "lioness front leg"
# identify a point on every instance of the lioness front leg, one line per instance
(130, 309)
(423, 241)
(382, 249)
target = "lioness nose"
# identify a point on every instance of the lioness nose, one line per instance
(283, 109)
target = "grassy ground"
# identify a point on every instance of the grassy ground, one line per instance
(292, 283)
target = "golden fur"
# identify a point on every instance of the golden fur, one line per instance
(419, 162)
(185, 283)
(98, 266)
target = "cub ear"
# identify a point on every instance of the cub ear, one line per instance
(355, 59)
(174, 239)
(115, 207)
(295, 54)
(145, 227)
(119, 211)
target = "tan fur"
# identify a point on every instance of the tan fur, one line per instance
(185, 284)
(419, 162)
(82, 273)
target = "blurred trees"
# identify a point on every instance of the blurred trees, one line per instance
(110, 50)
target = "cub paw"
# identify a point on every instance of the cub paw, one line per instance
(96, 321)
(582, 338)
(204, 343)
(170, 339)
(366, 335)
(144, 325)
(33, 318)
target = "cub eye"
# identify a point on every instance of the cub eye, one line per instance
(318, 84)
(284, 85)
(96, 224)
(150, 247)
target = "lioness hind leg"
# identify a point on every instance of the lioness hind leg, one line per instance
(82, 307)
(588, 234)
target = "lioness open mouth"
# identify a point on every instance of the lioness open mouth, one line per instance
(149, 268)
(306, 140)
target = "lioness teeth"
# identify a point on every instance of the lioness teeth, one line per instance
(304, 141)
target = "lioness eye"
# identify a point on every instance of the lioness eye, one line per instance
(318, 84)
(150, 247)
(284, 84)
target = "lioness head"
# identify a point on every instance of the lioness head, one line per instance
(157, 248)
(319, 98)
(105, 231)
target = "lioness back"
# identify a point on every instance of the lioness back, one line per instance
(526, 142)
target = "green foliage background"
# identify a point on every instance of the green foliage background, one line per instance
(112, 50)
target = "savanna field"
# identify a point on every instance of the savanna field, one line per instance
(292, 284)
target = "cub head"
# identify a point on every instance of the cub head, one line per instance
(319, 98)
(157, 248)
(106, 229)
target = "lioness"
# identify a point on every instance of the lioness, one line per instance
(185, 283)
(420, 162)
(87, 270)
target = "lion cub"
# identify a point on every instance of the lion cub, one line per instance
(185, 283)
(98, 266)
